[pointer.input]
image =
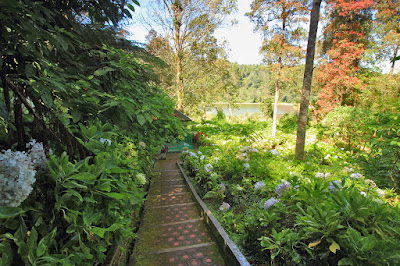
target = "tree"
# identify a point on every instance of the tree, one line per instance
(346, 37)
(388, 19)
(280, 23)
(308, 73)
(187, 26)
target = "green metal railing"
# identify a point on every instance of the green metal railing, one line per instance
(178, 146)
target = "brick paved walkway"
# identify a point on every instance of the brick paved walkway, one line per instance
(172, 231)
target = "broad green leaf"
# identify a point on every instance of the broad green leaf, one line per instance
(10, 212)
(115, 195)
(32, 241)
(85, 177)
(76, 115)
(345, 261)
(101, 72)
(47, 99)
(141, 119)
(104, 186)
(72, 192)
(45, 242)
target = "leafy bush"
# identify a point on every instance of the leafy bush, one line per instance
(324, 211)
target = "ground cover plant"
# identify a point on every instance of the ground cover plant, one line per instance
(325, 210)
(77, 104)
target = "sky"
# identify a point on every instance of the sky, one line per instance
(243, 43)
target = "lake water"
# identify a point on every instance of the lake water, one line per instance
(242, 109)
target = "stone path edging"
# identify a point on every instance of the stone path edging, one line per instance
(232, 254)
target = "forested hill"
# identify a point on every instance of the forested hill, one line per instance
(255, 82)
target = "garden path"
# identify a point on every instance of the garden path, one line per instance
(172, 231)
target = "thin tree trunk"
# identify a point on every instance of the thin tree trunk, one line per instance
(393, 62)
(275, 116)
(177, 8)
(308, 72)
(278, 79)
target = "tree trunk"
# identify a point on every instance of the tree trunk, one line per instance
(308, 72)
(393, 62)
(177, 8)
(275, 116)
(179, 86)
(278, 79)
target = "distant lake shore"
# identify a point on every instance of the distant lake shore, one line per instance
(242, 109)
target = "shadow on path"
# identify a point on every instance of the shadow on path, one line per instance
(172, 231)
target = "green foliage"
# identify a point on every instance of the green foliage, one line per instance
(86, 92)
(349, 124)
(288, 123)
(326, 214)
(266, 106)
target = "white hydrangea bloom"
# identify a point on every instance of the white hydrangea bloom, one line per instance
(380, 192)
(102, 141)
(37, 154)
(332, 187)
(199, 153)
(142, 144)
(370, 182)
(258, 185)
(270, 202)
(192, 154)
(222, 187)
(319, 175)
(141, 178)
(356, 175)
(208, 167)
(274, 152)
(224, 206)
(327, 175)
(246, 166)
(202, 157)
(282, 187)
(17, 175)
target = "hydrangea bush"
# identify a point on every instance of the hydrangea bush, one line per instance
(317, 212)
(17, 173)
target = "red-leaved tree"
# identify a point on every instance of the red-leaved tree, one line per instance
(346, 37)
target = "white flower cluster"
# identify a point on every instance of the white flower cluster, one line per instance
(216, 160)
(102, 141)
(222, 187)
(274, 152)
(192, 154)
(322, 175)
(37, 154)
(380, 192)
(208, 167)
(348, 169)
(282, 187)
(370, 182)
(332, 186)
(270, 202)
(246, 166)
(224, 206)
(17, 173)
(356, 175)
(249, 149)
(141, 178)
(202, 157)
(141, 144)
(259, 185)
